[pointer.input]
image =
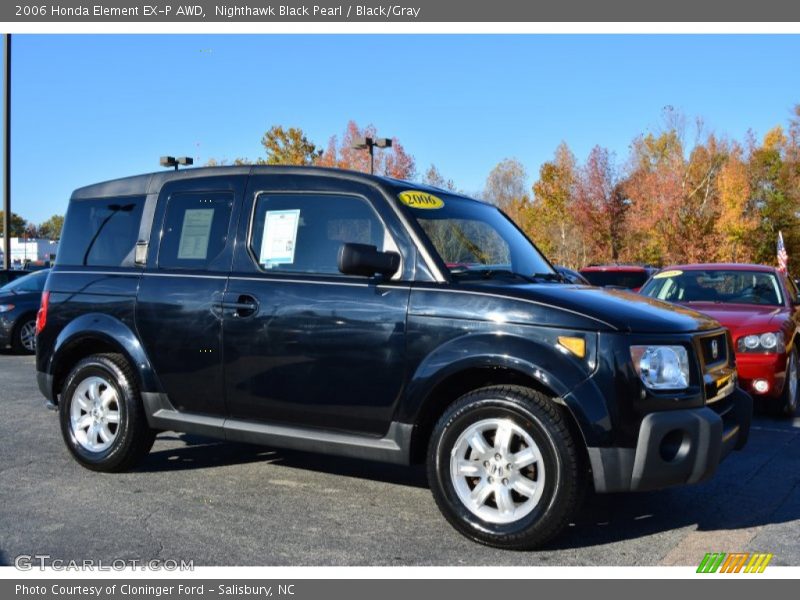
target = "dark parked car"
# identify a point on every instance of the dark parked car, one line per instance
(314, 309)
(9, 275)
(571, 276)
(760, 306)
(629, 277)
(19, 301)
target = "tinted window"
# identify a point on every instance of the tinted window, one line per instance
(791, 289)
(195, 230)
(624, 279)
(101, 232)
(29, 283)
(302, 233)
(739, 287)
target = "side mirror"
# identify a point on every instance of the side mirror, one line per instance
(366, 260)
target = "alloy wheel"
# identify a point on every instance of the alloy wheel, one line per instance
(95, 414)
(497, 470)
(27, 336)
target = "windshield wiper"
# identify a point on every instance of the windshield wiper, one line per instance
(489, 273)
(558, 277)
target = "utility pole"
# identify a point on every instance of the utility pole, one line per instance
(7, 151)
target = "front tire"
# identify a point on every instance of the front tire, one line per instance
(504, 468)
(787, 403)
(102, 417)
(23, 339)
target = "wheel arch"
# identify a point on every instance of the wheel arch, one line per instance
(442, 378)
(98, 334)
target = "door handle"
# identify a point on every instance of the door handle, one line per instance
(245, 306)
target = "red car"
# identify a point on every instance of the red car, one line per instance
(629, 277)
(759, 305)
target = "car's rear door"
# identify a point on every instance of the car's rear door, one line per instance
(178, 310)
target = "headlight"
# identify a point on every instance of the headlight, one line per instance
(661, 367)
(761, 342)
(6, 307)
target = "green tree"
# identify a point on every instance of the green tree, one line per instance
(51, 228)
(289, 146)
(18, 224)
(774, 189)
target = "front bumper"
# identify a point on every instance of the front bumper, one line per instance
(675, 447)
(6, 326)
(769, 367)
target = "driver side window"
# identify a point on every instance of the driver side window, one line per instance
(302, 233)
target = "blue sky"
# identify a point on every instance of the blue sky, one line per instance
(90, 108)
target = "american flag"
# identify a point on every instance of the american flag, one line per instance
(783, 257)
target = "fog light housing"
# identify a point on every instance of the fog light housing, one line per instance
(761, 386)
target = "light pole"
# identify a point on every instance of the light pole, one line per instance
(171, 161)
(7, 150)
(368, 143)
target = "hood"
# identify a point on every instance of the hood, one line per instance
(623, 310)
(24, 297)
(742, 316)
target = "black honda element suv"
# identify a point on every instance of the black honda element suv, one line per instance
(341, 313)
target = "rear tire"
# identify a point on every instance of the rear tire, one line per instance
(504, 468)
(23, 338)
(102, 417)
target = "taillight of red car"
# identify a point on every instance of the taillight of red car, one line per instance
(41, 316)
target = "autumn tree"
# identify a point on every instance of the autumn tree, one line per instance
(737, 218)
(434, 178)
(600, 203)
(391, 162)
(551, 221)
(288, 146)
(51, 228)
(673, 199)
(506, 184)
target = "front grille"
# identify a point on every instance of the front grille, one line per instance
(718, 368)
(723, 406)
(714, 349)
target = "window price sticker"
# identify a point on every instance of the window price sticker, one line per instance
(280, 237)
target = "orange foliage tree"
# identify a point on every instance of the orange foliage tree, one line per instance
(392, 162)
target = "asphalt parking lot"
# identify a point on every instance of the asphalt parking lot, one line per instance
(233, 504)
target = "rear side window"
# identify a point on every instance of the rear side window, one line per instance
(101, 232)
(195, 229)
(302, 233)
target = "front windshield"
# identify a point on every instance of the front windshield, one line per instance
(473, 237)
(27, 284)
(731, 286)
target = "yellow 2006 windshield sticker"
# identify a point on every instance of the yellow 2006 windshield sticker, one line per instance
(665, 274)
(417, 199)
